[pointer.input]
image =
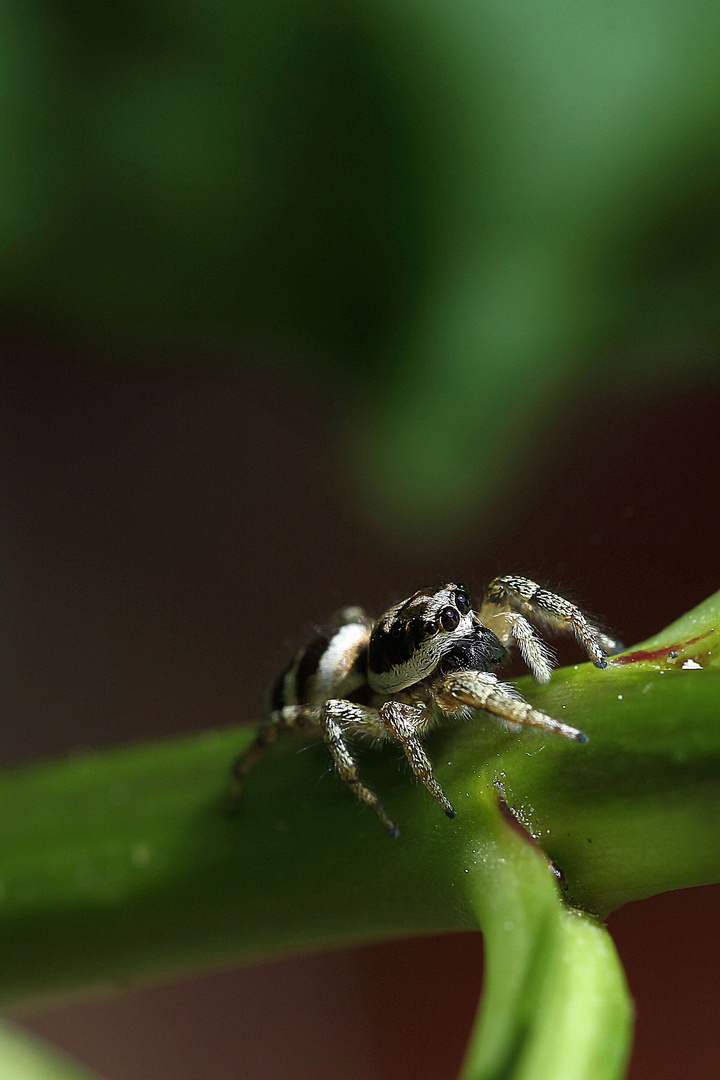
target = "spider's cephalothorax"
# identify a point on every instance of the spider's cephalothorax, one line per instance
(430, 632)
(428, 657)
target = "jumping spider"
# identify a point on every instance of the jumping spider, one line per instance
(427, 658)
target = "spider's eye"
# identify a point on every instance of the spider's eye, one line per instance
(449, 618)
(462, 602)
(431, 628)
(396, 629)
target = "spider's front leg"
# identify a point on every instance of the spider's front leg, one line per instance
(335, 715)
(510, 601)
(483, 690)
(404, 723)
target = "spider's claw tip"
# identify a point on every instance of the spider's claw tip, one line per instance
(393, 831)
(450, 812)
(582, 737)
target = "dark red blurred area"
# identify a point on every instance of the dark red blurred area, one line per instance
(166, 536)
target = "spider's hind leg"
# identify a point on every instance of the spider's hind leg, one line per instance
(293, 717)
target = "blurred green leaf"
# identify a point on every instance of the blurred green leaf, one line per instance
(451, 209)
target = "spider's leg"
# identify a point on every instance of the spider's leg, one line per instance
(528, 600)
(335, 715)
(536, 653)
(482, 690)
(290, 717)
(404, 722)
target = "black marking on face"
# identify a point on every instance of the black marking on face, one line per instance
(391, 646)
(400, 634)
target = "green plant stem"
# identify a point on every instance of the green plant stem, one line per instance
(120, 867)
(555, 1002)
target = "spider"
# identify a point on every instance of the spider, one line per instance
(428, 658)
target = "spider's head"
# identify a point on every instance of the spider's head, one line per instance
(434, 631)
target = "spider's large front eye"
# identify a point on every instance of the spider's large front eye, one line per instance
(462, 602)
(449, 618)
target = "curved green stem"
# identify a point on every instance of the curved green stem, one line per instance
(555, 1003)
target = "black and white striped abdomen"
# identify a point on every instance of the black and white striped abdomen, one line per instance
(332, 664)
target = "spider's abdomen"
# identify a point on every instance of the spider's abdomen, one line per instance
(332, 664)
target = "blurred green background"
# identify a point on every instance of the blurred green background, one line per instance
(307, 304)
(460, 214)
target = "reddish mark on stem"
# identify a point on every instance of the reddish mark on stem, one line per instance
(658, 654)
(514, 822)
(511, 818)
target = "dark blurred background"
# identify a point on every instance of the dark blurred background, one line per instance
(317, 304)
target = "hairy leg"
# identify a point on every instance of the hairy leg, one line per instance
(335, 715)
(536, 653)
(518, 596)
(291, 717)
(483, 690)
(404, 723)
